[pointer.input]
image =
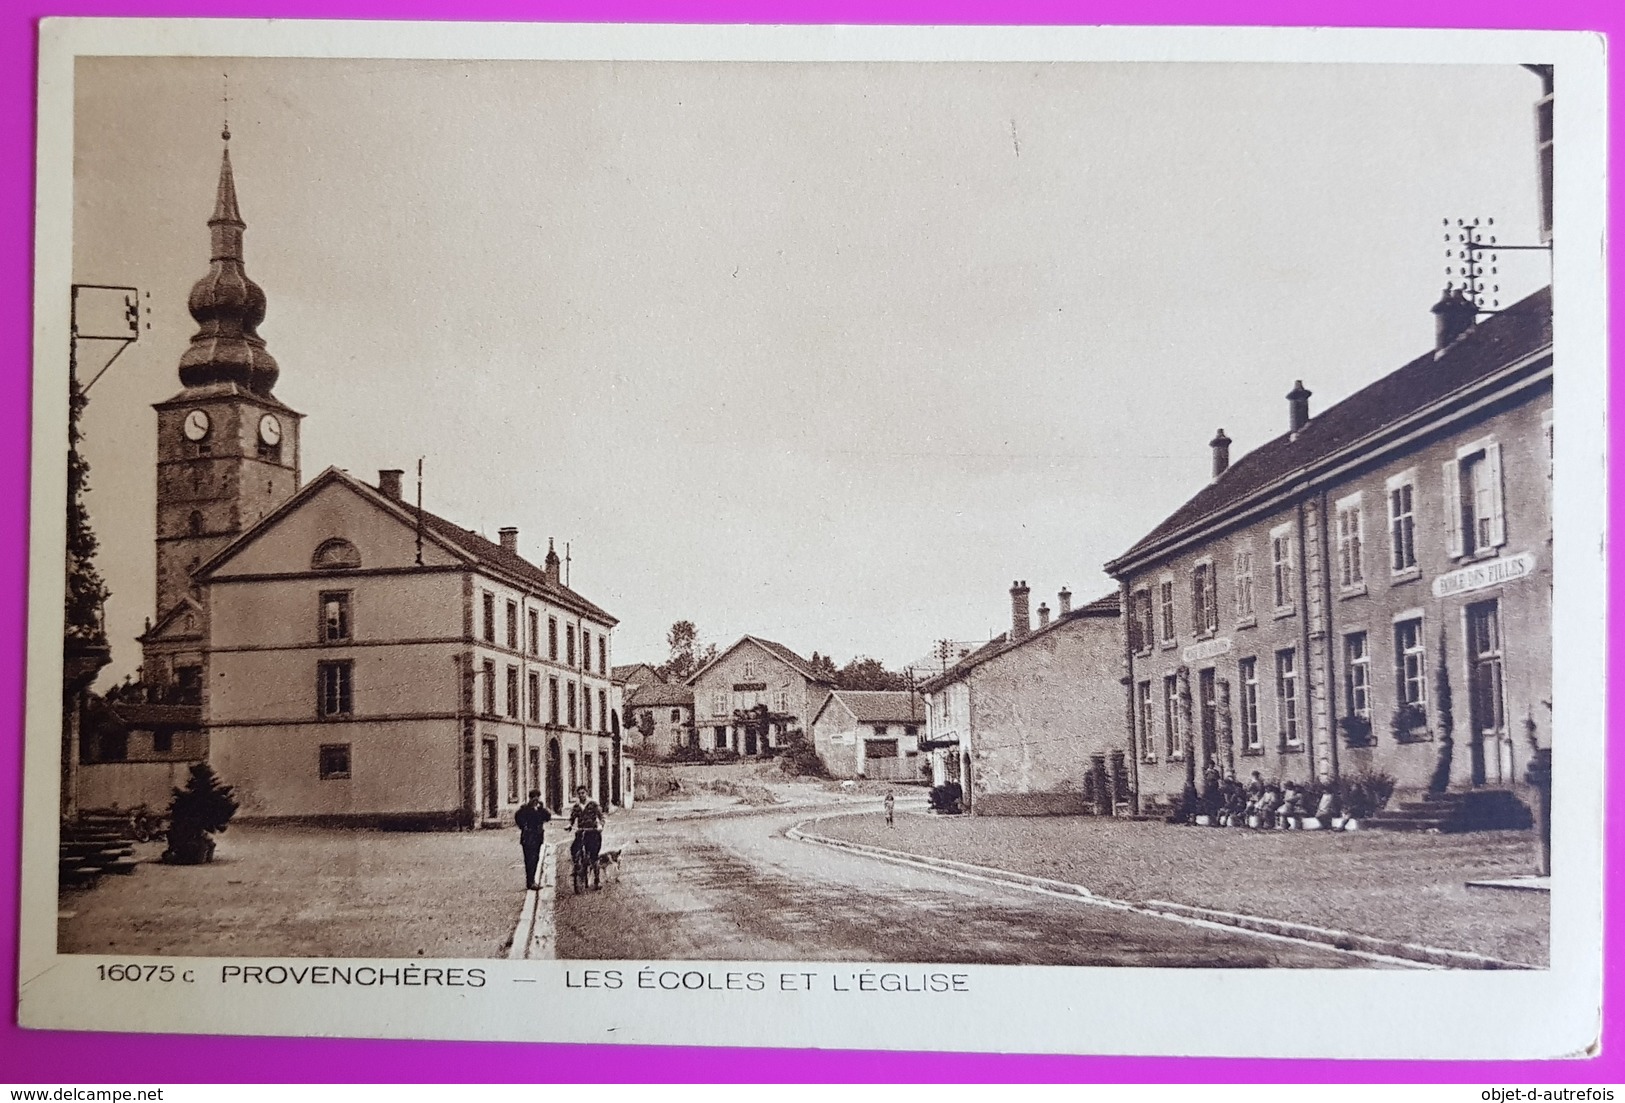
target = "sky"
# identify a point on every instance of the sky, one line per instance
(825, 353)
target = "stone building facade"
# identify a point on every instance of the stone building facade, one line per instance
(1365, 589)
(870, 733)
(1027, 724)
(755, 674)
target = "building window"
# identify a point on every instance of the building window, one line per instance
(1250, 736)
(535, 769)
(513, 775)
(488, 623)
(749, 669)
(1357, 661)
(488, 677)
(553, 701)
(1286, 695)
(676, 715)
(1473, 479)
(1141, 624)
(336, 554)
(575, 775)
(1244, 585)
(781, 700)
(533, 694)
(1142, 697)
(603, 711)
(603, 654)
(333, 761)
(1282, 567)
(513, 626)
(553, 638)
(1411, 662)
(163, 742)
(1402, 522)
(1350, 544)
(719, 703)
(534, 638)
(1204, 600)
(570, 645)
(720, 733)
(333, 690)
(335, 617)
(570, 704)
(194, 523)
(881, 729)
(586, 708)
(1173, 728)
(513, 692)
(1165, 598)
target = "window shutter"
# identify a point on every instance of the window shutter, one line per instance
(1498, 520)
(1452, 506)
(1198, 603)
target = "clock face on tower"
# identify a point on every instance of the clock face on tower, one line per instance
(196, 425)
(270, 429)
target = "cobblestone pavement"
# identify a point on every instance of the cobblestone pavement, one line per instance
(736, 889)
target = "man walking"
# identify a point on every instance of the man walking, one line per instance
(891, 805)
(530, 819)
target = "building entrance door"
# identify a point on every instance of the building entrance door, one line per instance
(603, 778)
(1207, 688)
(1491, 746)
(555, 777)
(488, 777)
(750, 738)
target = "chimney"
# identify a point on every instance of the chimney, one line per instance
(509, 538)
(1221, 445)
(1043, 615)
(390, 483)
(1021, 624)
(1065, 598)
(1298, 402)
(550, 565)
(1453, 315)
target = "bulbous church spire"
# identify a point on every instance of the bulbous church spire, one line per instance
(227, 305)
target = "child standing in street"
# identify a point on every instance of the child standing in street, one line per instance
(891, 803)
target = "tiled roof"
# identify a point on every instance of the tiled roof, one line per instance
(778, 650)
(882, 706)
(659, 694)
(1105, 606)
(495, 555)
(1518, 331)
(642, 671)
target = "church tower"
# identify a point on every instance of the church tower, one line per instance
(228, 450)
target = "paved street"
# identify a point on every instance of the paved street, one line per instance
(735, 888)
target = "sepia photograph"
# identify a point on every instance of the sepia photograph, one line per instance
(901, 512)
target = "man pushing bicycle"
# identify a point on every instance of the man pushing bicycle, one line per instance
(587, 820)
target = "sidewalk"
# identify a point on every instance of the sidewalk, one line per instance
(1390, 886)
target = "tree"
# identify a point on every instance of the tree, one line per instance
(824, 667)
(684, 655)
(866, 673)
(200, 810)
(87, 592)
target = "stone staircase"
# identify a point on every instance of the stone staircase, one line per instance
(92, 846)
(1455, 811)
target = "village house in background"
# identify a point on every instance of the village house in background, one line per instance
(660, 718)
(333, 651)
(1369, 591)
(752, 694)
(1031, 723)
(870, 734)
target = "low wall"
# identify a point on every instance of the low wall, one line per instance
(1030, 804)
(127, 784)
(374, 821)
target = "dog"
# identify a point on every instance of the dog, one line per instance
(608, 858)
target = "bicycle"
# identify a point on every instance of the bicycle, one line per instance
(582, 862)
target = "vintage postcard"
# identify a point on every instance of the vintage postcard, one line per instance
(1058, 540)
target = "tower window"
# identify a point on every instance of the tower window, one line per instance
(194, 523)
(271, 453)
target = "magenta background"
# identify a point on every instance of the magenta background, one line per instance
(66, 1058)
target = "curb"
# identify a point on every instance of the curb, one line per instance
(1347, 941)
